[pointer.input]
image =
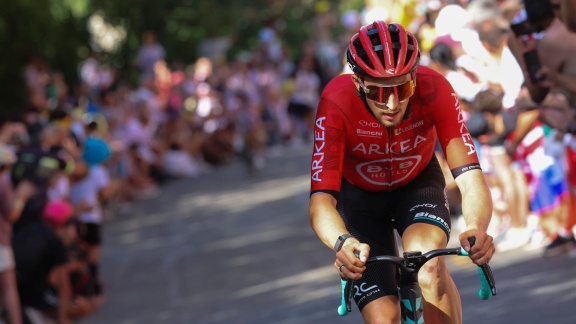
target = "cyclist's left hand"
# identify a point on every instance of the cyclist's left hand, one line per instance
(483, 248)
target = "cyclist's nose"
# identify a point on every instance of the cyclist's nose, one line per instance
(392, 101)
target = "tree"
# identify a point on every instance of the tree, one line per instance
(58, 31)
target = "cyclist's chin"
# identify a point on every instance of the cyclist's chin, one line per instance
(390, 120)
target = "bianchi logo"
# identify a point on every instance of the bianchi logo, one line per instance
(434, 218)
(368, 133)
(387, 172)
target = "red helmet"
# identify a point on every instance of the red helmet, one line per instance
(383, 50)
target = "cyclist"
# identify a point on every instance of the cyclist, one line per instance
(373, 167)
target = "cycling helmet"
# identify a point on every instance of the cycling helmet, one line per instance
(383, 50)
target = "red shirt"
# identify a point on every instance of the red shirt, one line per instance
(349, 141)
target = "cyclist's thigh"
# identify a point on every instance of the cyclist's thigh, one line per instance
(367, 217)
(382, 310)
(424, 201)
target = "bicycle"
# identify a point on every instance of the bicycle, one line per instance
(410, 293)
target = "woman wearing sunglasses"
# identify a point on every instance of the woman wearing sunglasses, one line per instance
(374, 170)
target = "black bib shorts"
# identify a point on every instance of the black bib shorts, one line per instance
(372, 217)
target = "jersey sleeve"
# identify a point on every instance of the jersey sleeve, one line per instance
(328, 152)
(453, 135)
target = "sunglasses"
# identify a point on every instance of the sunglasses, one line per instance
(381, 93)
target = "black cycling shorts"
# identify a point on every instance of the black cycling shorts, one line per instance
(372, 216)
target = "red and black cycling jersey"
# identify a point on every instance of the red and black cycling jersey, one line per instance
(349, 141)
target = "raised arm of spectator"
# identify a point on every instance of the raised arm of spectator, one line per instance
(524, 125)
(568, 8)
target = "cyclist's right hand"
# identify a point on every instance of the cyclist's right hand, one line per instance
(351, 259)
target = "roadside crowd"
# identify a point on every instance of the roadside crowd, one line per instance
(82, 152)
(512, 66)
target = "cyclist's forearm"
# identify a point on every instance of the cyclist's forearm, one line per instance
(476, 200)
(324, 218)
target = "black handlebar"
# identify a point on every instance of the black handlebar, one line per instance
(411, 263)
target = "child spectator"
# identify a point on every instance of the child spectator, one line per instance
(90, 187)
(58, 215)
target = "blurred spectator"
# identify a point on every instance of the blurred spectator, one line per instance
(90, 188)
(556, 87)
(85, 298)
(150, 52)
(552, 87)
(303, 100)
(41, 268)
(11, 205)
(491, 62)
(268, 38)
(442, 60)
(38, 165)
(37, 78)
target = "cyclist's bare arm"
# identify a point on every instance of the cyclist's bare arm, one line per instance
(477, 211)
(328, 225)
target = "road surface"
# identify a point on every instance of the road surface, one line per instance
(226, 247)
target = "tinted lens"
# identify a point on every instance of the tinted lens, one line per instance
(381, 94)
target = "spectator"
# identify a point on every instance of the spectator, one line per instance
(553, 89)
(149, 53)
(41, 266)
(11, 204)
(491, 61)
(304, 99)
(90, 187)
(58, 215)
(557, 89)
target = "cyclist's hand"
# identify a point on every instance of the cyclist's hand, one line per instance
(483, 248)
(347, 263)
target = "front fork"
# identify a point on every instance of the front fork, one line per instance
(412, 307)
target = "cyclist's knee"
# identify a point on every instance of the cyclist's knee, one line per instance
(382, 311)
(431, 275)
(423, 237)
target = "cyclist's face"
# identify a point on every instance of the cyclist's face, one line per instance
(387, 98)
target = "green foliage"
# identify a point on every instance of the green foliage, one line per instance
(57, 30)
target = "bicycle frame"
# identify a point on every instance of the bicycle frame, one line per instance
(410, 293)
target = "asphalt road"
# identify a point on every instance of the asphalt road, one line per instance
(227, 247)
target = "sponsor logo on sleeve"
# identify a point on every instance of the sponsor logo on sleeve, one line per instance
(466, 137)
(318, 155)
